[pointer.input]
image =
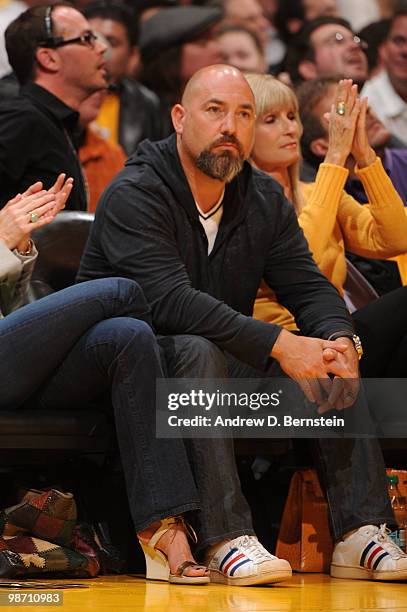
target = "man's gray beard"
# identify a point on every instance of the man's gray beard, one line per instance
(219, 166)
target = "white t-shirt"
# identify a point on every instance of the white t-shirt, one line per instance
(211, 221)
(387, 104)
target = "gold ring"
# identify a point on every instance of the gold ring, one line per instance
(34, 217)
(340, 108)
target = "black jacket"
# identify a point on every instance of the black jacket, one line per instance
(147, 228)
(37, 143)
(140, 115)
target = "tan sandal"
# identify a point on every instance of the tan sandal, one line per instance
(157, 566)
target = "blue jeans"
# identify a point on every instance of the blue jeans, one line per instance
(351, 471)
(224, 512)
(92, 340)
(84, 343)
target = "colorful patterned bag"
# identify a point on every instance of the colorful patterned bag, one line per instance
(41, 536)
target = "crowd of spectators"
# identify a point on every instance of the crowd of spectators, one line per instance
(87, 85)
(154, 47)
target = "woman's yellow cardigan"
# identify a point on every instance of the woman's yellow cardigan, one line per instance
(333, 221)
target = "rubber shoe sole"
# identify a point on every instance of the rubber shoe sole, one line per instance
(360, 573)
(265, 578)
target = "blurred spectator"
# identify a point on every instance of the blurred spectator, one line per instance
(375, 35)
(387, 92)
(387, 8)
(251, 14)
(130, 112)
(327, 46)
(10, 10)
(270, 8)
(100, 159)
(257, 15)
(315, 101)
(148, 8)
(241, 47)
(174, 44)
(59, 62)
(57, 72)
(292, 15)
(320, 8)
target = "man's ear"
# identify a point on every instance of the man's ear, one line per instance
(47, 59)
(319, 147)
(133, 66)
(178, 116)
(307, 70)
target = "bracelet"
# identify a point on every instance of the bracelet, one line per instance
(29, 249)
(355, 339)
(341, 334)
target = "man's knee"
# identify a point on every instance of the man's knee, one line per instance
(191, 356)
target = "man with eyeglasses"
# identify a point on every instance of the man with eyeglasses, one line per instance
(387, 92)
(58, 62)
(327, 47)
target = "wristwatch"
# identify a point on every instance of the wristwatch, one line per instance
(355, 339)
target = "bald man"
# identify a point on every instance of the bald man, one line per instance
(198, 228)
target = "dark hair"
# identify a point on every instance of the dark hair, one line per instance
(227, 27)
(23, 37)
(374, 34)
(309, 95)
(116, 11)
(286, 12)
(302, 48)
(400, 11)
(162, 74)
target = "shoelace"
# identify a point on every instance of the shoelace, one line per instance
(253, 548)
(391, 547)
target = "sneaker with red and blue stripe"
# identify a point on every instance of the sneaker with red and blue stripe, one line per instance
(369, 554)
(244, 561)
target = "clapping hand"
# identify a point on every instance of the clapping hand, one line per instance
(32, 209)
(347, 127)
(362, 152)
(342, 121)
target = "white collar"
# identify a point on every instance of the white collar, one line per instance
(212, 210)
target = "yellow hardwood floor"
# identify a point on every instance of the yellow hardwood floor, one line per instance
(309, 592)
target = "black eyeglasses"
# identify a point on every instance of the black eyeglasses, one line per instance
(88, 39)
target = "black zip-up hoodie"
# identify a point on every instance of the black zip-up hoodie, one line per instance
(147, 228)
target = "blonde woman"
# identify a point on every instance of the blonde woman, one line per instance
(332, 220)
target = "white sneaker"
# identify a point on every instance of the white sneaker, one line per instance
(244, 561)
(369, 554)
